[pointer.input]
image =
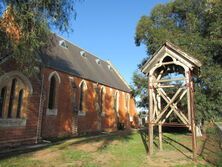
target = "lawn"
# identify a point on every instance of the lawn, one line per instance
(122, 149)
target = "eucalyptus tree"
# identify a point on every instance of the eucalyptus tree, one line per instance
(196, 27)
(25, 27)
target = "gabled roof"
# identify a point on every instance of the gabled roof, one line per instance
(174, 51)
(65, 56)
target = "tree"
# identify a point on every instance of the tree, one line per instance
(25, 27)
(196, 27)
(139, 88)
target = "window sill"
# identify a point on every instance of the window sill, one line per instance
(103, 114)
(81, 113)
(131, 118)
(12, 122)
(51, 112)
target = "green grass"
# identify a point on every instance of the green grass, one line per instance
(128, 152)
(193, 164)
(120, 150)
(20, 161)
(212, 146)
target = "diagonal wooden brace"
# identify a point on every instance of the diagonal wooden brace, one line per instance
(168, 100)
(168, 114)
(173, 105)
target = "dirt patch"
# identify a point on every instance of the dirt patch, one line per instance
(45, 155)
(103, 159)
(88, 147)
(94, 146)
(170, 158)
(70, 164)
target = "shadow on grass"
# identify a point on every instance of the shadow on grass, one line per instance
(143, 135)
(172, 142)
(211, 150)
(176, 145)
(106, 139)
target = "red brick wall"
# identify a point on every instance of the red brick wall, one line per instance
(133, 113)
(18, 135)
(61, 124)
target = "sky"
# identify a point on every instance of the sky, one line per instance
(106, 28)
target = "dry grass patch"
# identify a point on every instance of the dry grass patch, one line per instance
(117, 150)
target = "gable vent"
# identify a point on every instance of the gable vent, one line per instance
(98, 61)
(110, 67)
(83, 53)
(63, 44)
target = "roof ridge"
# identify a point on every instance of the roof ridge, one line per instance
(181, 51)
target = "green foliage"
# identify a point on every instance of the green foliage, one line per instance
(196, 27)
(35, 19)
(140, 89)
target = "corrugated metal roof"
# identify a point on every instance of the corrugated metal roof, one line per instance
(80, 63)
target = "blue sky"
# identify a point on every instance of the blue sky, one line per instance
(106, 28)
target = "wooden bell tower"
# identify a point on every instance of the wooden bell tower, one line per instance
(170, 74)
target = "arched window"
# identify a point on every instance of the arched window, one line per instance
(127, 98)
(97, 92)
(82, 98)
(14, 93)
(2, 100)
(54, 81)
(19, 107)
(52, 93)
(11, 99)
(102, 99)
(116, 103)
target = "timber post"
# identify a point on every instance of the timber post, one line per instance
(150, 131)
(160, 137)
(192, 114)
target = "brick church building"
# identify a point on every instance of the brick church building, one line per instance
(73, 93)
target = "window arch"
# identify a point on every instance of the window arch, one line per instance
(19, 106)
(52, 93)
(102, 99)
(54, 81)
(82, 95)
(127, 102)
(15, 88)
(56, 75)
(2, 100)
(12, 97)
(116, 103)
